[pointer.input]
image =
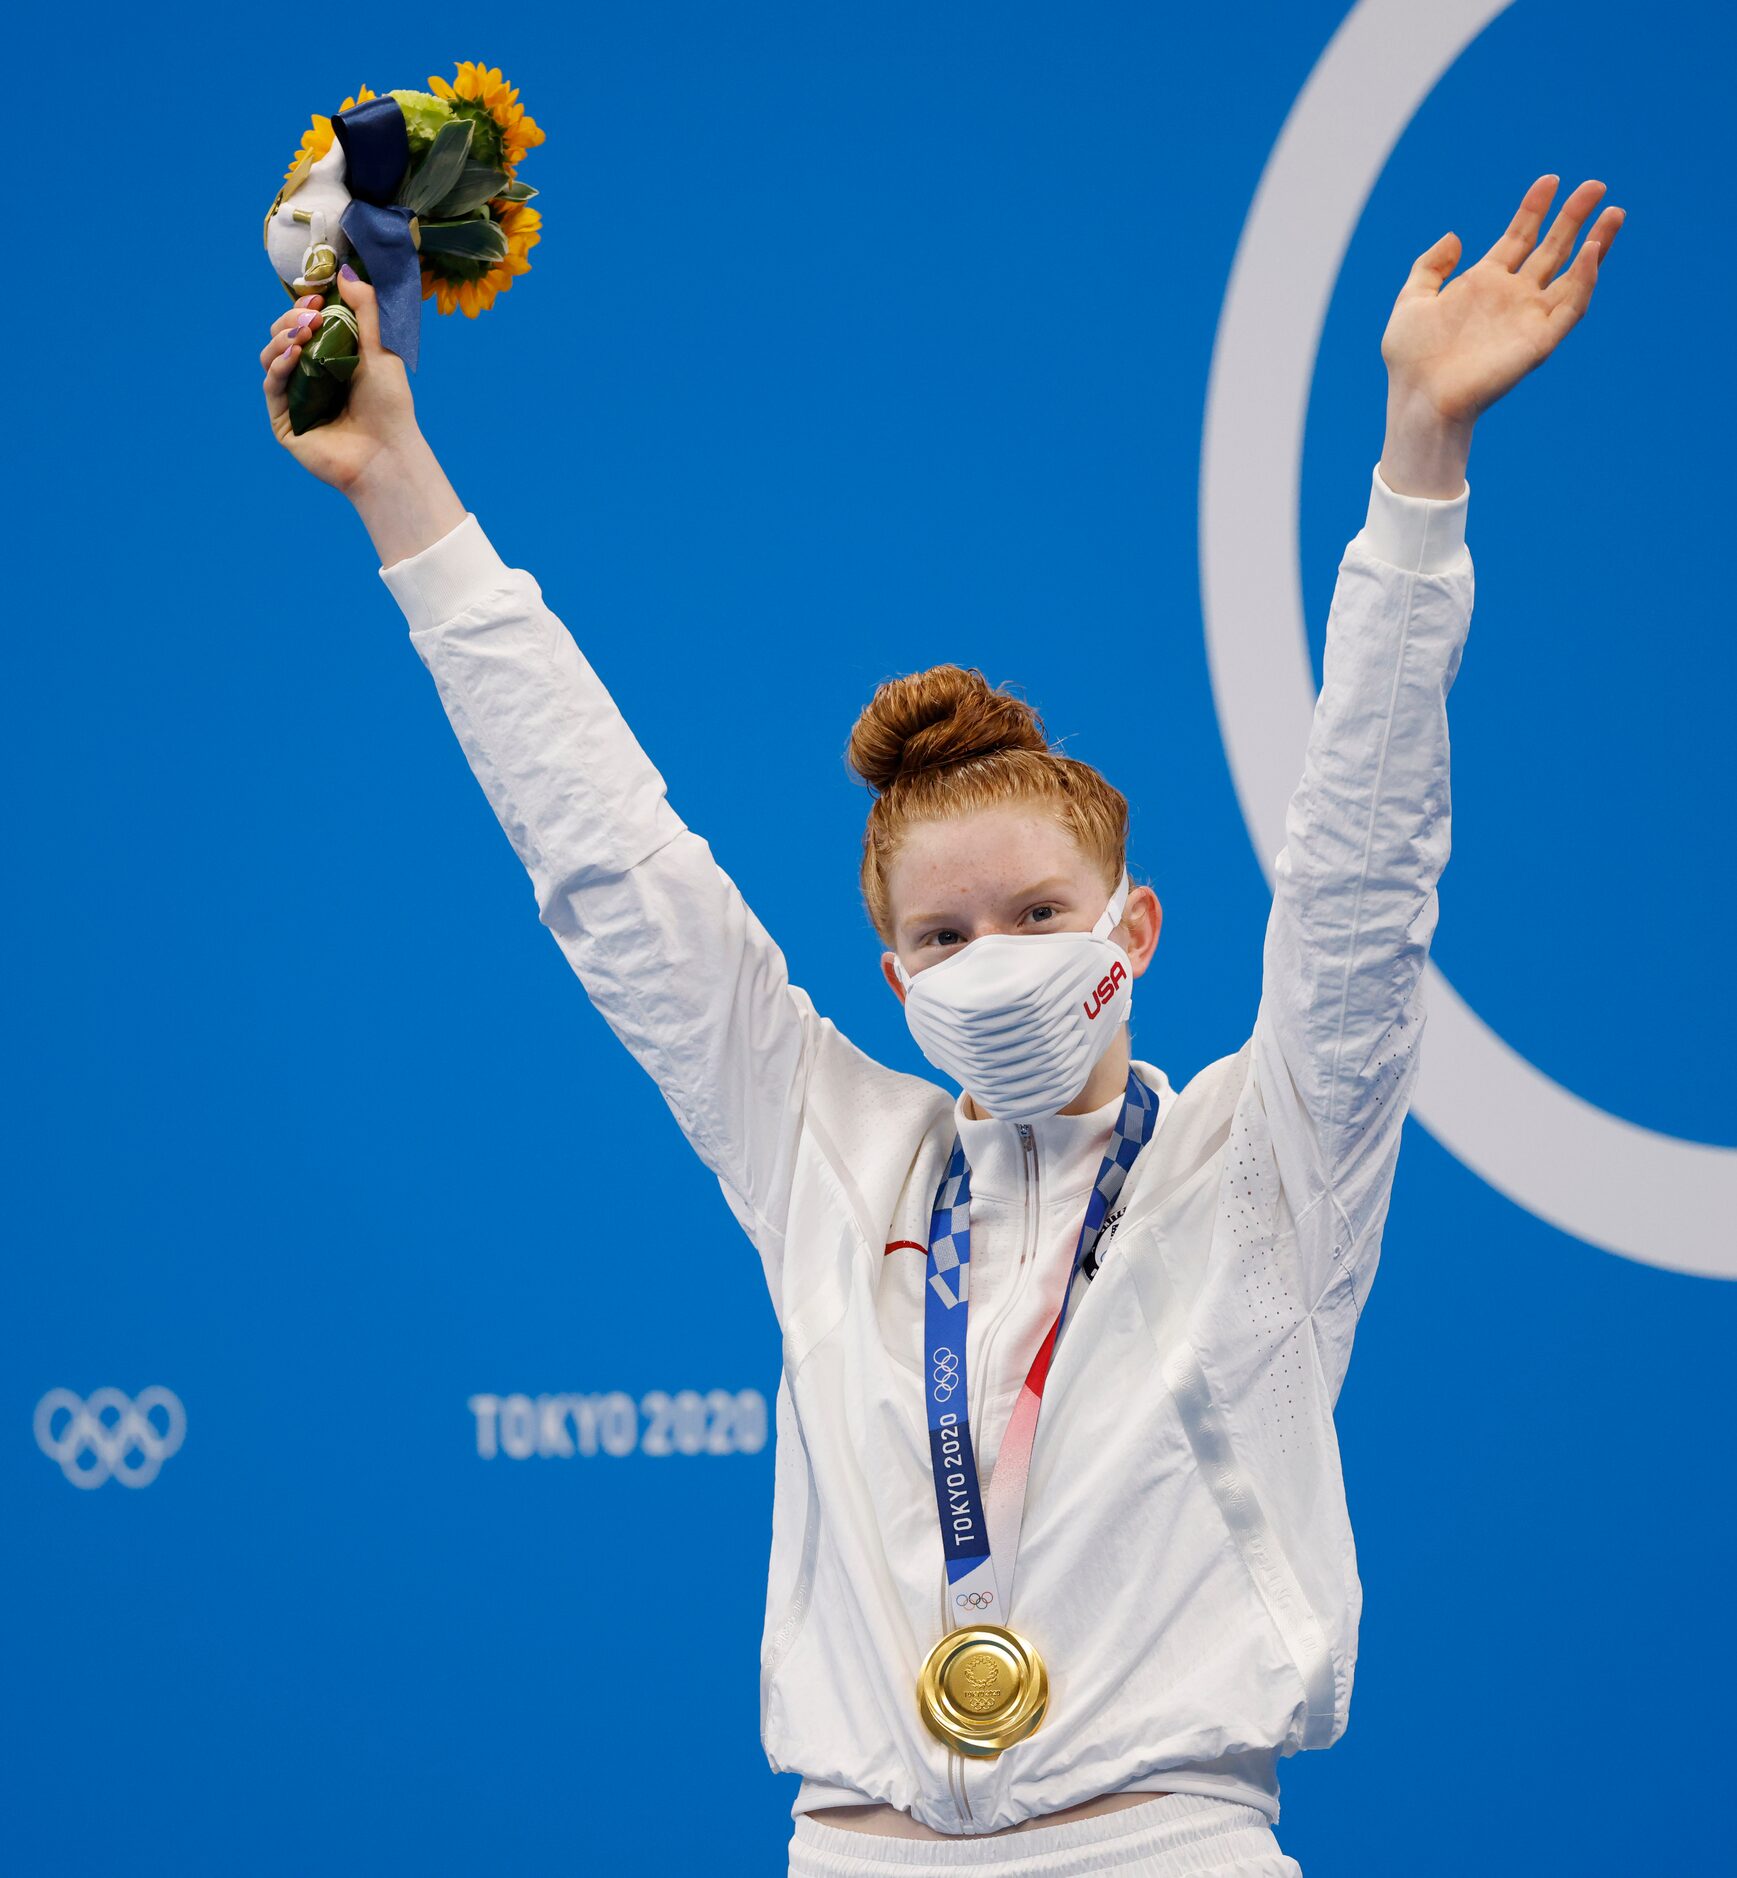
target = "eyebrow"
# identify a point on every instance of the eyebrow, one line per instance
(1046, 889)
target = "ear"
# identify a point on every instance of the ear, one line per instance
(1142, 918)
(891, 976)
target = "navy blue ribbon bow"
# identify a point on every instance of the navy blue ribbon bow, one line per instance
(376, 154)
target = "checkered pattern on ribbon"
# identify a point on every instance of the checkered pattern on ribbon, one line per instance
(1134, 1124)
(950, 1231)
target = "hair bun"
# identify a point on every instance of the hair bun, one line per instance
(934, 720)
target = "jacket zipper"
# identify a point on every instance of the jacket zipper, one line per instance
(1028, 1141)
(1020, 1273)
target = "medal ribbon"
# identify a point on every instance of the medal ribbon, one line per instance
(977, 1528)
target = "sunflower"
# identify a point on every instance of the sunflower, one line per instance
(520, 223)
(486, 93)
(316, 142)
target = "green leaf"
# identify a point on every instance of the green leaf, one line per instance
(333, 341)
(516, 191)
(441, 168)
(315, 398)
(478, 184)
(475, 239)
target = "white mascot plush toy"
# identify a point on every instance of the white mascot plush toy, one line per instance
(304, 234)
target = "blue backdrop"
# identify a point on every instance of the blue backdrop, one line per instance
(857, 339)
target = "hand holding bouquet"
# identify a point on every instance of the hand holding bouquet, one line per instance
(417, 191)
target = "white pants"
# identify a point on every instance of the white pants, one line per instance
(1177, 1835)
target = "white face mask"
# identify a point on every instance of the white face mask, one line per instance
(1021, 1019)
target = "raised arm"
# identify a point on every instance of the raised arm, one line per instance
(1354, 893)
(1341, 1015)
(663, 942)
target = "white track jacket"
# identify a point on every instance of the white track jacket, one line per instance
(1187, 1566)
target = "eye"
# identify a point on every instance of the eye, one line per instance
(945, 936)
(1038, 914)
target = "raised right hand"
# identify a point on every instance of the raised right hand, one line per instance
(379, 418)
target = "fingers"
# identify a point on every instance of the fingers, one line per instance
(289, 333)
(1570, 293)
(1516, 244)
(1554, 249)
(357, 293)
(300, 323)
(1433, 266)
(299, 314)
(281, 363)
(1606, 229)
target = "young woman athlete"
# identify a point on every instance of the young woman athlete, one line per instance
(1171, 1277)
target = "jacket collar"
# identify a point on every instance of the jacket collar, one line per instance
(1069, 1148)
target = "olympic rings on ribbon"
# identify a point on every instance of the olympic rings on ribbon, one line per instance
(946, 1374)
(977, 1600)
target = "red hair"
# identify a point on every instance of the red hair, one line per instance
(943, 743)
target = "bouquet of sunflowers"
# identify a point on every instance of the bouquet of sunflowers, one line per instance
(419, 192)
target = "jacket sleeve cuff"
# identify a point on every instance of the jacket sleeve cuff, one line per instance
(1421, 534)
(442, 580)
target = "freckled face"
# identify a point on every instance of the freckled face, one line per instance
(1001, 870)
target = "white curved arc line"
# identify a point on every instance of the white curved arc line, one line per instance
(1629, 1190)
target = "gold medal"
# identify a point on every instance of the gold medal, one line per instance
(982, 1688)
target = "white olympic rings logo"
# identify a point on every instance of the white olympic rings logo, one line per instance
(976, 1600)
(116, 1432)
(1631, 1190)
(946, 1374)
